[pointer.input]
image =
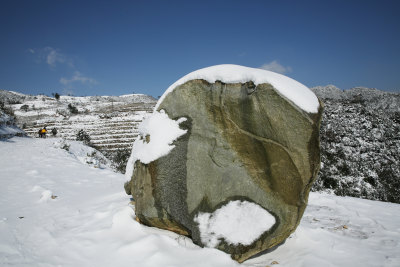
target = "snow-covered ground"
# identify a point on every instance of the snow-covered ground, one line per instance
(59, 209)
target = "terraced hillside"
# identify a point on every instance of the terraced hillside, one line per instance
(110, 121)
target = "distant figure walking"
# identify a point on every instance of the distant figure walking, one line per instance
(42, 133)
(54, 131)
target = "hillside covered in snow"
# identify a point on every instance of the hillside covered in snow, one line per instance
(61, 205)
(110, 122)
(360, 143)
(360, 133)
(8, 126)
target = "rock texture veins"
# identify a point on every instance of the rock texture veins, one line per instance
(244, 142)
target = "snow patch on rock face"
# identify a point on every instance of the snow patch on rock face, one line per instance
(238, 222)
(156, 135)
(296, 92)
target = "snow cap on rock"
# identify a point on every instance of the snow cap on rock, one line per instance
(296, 92)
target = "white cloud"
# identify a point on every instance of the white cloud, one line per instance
(53, 57)
(78, 77)
(275, 66)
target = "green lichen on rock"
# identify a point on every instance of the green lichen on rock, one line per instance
(243, 142)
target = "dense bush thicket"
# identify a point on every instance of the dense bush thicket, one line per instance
(5, 109)
(360, 146)
(84, 137)
(72, 109)
(8, 126)
(119, 159)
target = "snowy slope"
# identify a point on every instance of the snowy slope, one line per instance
(56, 210)
(7, 131)
(8, 128)
(109, 120)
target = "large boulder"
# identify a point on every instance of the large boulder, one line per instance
(228, 158)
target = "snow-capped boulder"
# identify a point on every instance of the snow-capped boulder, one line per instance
(228, 158)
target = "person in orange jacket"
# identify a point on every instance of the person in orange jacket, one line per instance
(43, 133)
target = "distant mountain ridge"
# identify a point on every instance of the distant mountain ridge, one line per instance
(11, 97)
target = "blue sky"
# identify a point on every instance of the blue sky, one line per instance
(121, 47)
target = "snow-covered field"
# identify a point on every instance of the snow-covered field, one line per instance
(57, 208)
